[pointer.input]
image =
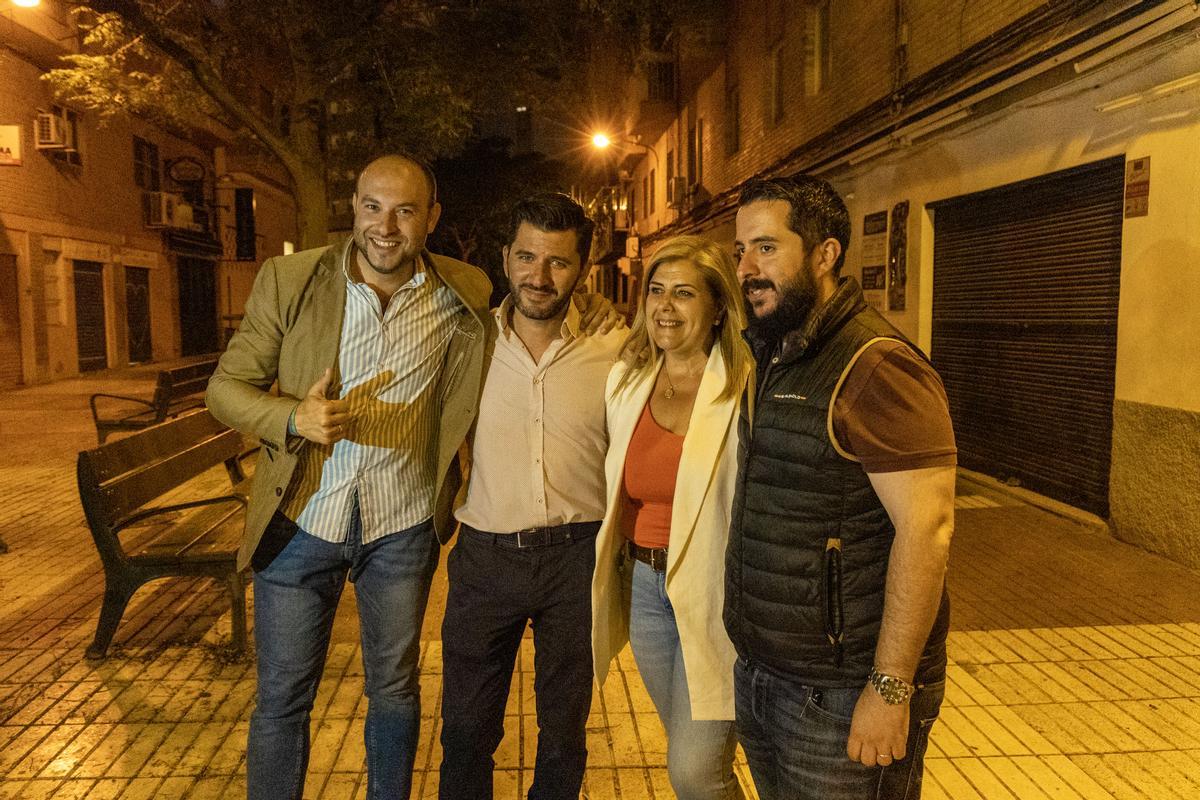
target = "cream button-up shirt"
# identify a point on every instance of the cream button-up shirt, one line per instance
(537, 457)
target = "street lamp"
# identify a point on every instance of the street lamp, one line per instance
(601, 141)
(26, 3)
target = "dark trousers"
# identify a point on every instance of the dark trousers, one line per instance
(494, 592)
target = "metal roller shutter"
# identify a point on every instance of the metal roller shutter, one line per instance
(137, 313)
(89, 316)
(1026, 281)
(10, 323)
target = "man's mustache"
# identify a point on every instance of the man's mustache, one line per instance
(752, 284)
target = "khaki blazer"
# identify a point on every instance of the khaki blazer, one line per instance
(699, 532)
(291, 332)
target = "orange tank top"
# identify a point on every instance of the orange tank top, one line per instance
(651, 465)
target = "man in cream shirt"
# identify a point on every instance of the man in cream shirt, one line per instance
(535, 498)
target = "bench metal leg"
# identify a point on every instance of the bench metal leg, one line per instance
(237, 598)
(113, 607)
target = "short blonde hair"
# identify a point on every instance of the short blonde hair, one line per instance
(720, 277)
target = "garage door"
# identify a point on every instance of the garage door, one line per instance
(1026, 282)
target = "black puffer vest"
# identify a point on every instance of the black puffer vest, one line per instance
(810, 540)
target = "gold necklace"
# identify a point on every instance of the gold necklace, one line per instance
(669, 392)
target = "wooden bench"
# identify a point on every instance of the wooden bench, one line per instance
(177, 390)
(139, 541)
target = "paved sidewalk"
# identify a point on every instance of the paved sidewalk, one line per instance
(1075, 661)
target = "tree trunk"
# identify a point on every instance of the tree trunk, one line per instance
(312, 208)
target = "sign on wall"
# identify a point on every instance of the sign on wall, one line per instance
(874, 258)
(10, 145)
(1137, 187)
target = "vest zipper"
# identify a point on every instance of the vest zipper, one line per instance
(834, 617)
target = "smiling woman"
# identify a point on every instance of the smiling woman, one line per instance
(671, 469)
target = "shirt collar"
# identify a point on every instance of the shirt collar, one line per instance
(570, 328)
(424, 272)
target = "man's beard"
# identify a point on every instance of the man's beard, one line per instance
(795, 300)
(405, 254)
(542, 312)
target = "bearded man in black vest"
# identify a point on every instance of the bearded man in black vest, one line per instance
(835, 574)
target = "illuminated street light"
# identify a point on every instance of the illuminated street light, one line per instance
(26, 3)
(601, 141)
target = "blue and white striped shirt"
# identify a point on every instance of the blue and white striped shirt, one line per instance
(389, 362)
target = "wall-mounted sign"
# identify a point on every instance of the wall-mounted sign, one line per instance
(10, 145)
(874, 256)
(185, 169)
(1137, 187)
(874, 278)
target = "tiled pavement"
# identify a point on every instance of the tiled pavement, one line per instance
(1075, 661)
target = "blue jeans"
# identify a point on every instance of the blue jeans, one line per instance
(699, 752)
(795, 739)
(295, 597)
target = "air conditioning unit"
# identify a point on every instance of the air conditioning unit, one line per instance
(50, 132)
(677, 192)
(161, 209)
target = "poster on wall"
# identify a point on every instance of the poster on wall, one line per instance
(874, 258)
(1137, 187)
(898, 258)
(10, 145)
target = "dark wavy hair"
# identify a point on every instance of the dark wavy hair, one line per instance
(817, 210)
(553, 211)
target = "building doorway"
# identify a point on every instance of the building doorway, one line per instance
(198, 305)
(90, 332)
(137, 313)
(1026, 282)
(11, 373)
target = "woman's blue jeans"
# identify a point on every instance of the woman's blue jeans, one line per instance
(699, 752)
(295, 597)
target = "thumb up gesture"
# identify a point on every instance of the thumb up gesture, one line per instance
(320, 419)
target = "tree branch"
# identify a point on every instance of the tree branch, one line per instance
(206, 75)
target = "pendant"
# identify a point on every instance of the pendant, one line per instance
(669, 393)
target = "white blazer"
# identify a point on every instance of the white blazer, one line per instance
(699, 532)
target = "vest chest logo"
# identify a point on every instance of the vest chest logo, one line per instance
(789, 396)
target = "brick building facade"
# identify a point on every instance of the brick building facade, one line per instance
(1021, 177)
(119, 241)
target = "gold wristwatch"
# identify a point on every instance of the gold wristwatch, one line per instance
(893, 690)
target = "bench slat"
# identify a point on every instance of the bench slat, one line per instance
(176, 390)
(122, 456)
(209, 532)
(126, 493)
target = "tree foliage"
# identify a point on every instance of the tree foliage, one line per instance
(321, 85)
